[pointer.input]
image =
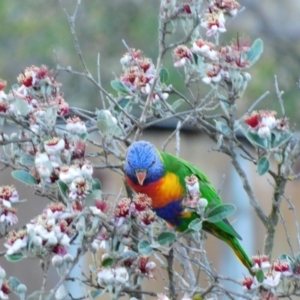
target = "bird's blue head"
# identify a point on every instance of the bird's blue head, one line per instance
(143, 163)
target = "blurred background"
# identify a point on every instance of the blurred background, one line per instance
(31, 31)
(37, 32)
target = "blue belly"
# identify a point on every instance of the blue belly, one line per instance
(171, 213)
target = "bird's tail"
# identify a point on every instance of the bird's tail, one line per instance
(233, 243)
(240, 253)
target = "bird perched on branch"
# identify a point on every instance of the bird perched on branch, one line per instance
(164, 178)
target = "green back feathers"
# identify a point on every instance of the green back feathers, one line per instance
(183, 169)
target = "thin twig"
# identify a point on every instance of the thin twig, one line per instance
(279, 96)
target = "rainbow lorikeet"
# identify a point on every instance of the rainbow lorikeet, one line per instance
(161, 176)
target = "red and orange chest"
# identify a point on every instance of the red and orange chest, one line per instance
(162, 192)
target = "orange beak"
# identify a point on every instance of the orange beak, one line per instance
(141, 175)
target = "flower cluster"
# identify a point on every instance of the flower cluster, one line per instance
(49, 232)
(206, 60)
(273, 273)
(139, 207)
(264, 122)
(132, 268)
(113, 279)
(8, 197)
(216, 62)
(50, 154)
(4, 285)
(145, 267)
(36, 92)
(214, 17)
(138, 71)
(138, 76)
(193, 198)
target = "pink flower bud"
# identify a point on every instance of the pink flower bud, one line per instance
(192, 185)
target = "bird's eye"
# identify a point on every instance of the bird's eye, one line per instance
(153, 162)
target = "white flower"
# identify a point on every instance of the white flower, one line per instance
(87, 170)
(250, 283)
(192, 185)
(271, 280)
(214, 23)
(41, 158)
(3, 295)
(9, 218)
(205, 48)
(264, 131)
(76, 126)
(64, 240)
(182, 56)
(37, 241)
(121, 275)
(17, 246)
(269, 121)
(214, 74)
(79, 189)
(106, 277)
(260, 262)
(97, 212)
(157, 98)
(51, 240)
(54, 145)
(43, 171)
(181, 62)
(68, 174)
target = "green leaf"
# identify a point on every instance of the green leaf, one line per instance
(220, 212)
(278, 158)
(27, 160)
(163, 75)
(260, 276)
(96, 184)
(97, 293)
(255, 139)
(15, 257)
(107, 262)
(255, 51)
(144, 247)
(107, 123)
(63, 189)
(119, 87)
(94, 195)
(177, 103)
(285, 257)
(14, 282)
(122, 103)
(24, 177)
(196, 57)
(221, 126)
(263, 165)
(282, 138)
(166, 237)
(21, 106)
(196, 225)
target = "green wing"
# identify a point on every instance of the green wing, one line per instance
(183, 169)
